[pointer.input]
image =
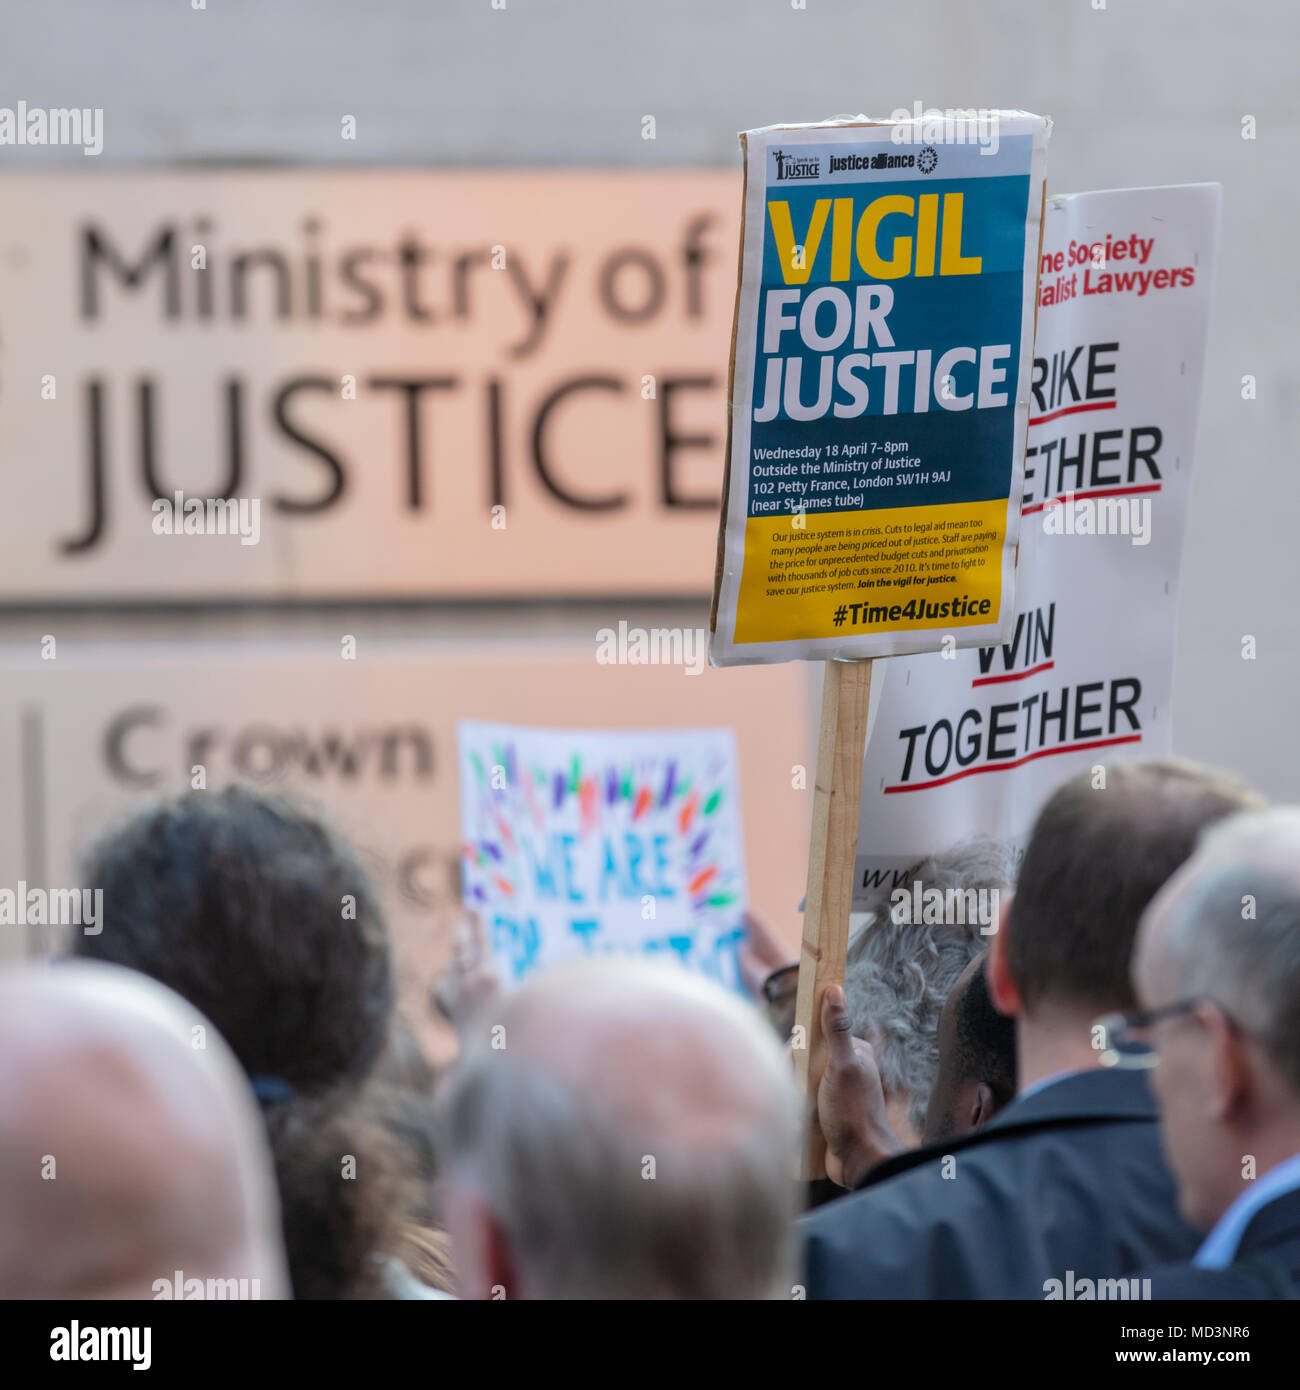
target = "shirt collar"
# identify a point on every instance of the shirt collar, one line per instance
(1220, 1246)
(1044, 1082)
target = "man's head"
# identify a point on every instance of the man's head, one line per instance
(261, 918)
(1102, 846)
(903, 964)
(130, 1144)
(616, 1129)
(977, 1059)
(1222, 941)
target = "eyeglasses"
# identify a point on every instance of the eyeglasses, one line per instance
(1125, 1040)
(781, 984)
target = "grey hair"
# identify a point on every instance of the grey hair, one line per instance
(562, 1163)
(1234, 934)
(898, 974)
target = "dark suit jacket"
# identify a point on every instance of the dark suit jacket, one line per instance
(1070, 1178)
(1267, 1263)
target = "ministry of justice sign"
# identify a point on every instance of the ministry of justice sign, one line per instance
(418, 384)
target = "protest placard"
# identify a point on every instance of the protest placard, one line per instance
(972, 742)
(578, 842)
(879, 395)
(880, 387)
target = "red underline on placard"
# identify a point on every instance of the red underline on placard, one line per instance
(1018, 762)
(1014, 676)
(1099, 492)
(1071, 410)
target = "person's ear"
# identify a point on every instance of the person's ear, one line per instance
(1229, 1065)
(1002, 989)
(983, 1106)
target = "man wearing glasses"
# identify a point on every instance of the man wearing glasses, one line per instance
(1068, 1179)
(1216, 969)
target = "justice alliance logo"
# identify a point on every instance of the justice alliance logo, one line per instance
(926, 161)
(795, 168)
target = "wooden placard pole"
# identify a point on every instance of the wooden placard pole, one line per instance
(841, 742)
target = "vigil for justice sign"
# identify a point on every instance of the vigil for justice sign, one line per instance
(972, 742)
(431, 384)
(880, 389)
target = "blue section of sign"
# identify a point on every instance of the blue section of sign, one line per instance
(898, 376)
(993, 222)
(902, 450)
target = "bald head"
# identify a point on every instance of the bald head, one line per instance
(621, 1129)
(661, 1048)
(130, 1146)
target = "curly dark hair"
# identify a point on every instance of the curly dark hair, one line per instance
(264, 920)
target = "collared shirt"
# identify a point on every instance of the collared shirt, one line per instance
(1220, 1247)
(1044, 1082)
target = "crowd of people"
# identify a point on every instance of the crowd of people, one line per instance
(1096, 1094)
